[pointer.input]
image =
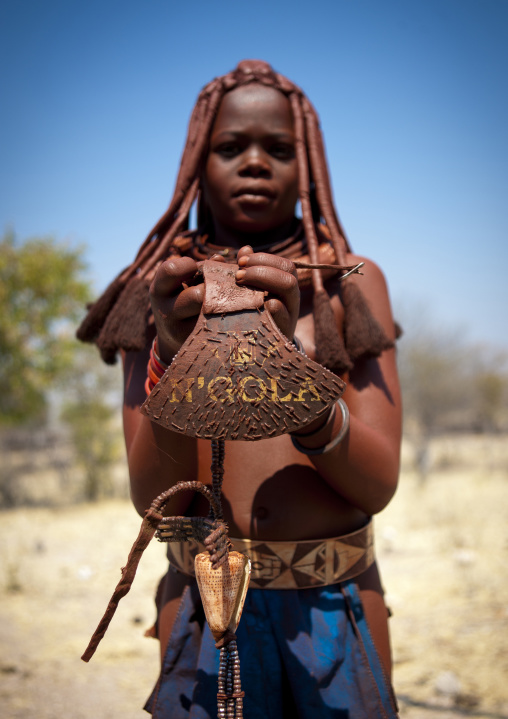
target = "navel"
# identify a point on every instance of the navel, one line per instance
(261, 513)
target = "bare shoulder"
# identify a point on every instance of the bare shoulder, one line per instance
(372, 279)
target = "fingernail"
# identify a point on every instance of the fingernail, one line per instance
(240, 274)
(243, 261)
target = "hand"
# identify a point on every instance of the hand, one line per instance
(175, 305)
(277, 276)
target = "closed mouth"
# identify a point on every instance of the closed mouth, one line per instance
(255, 192)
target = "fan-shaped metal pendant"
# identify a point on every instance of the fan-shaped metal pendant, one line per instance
(237, 376)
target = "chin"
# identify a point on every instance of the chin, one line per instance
(254, 224)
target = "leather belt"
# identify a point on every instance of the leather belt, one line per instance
(293, 565)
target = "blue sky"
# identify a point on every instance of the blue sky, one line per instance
(412, 96)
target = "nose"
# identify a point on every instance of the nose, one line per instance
(255, 163)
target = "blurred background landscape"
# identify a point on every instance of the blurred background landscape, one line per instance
(413, 103)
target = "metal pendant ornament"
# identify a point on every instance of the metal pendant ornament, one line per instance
(237, 377)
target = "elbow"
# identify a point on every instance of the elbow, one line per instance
(374, 489)
(138, 500)
(383, 481)
(382, 493)
(378, 503)
(140, 491)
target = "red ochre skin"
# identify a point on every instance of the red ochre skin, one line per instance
(270, 490)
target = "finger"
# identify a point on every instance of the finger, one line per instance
(188, 303)
(263, 258)
(244, 251)
(270, 279)
(281, 316)
(218, 258)
(170, 275)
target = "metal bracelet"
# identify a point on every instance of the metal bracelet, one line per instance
(299, 346)
(329, 420)
(334, 442)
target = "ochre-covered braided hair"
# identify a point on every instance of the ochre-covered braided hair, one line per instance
(119, 319)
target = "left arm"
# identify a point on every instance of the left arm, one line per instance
(364, 467)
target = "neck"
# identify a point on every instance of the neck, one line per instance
(227, 237)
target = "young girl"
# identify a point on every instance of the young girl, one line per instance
(313, 638)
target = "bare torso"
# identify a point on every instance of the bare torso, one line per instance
(270, 490)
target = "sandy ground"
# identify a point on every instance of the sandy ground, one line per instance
(442, 548)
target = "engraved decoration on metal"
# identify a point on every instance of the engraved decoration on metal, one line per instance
(237, 377)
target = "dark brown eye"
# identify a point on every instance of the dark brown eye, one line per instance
(228, 149)
(282, 151)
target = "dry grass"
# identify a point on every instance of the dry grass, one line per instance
(442, 548)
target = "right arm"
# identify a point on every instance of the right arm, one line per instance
(157, 458)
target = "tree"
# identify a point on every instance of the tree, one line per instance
(433, 380)
(42, 293)
(448, 383)
(489, 382)
(92, 413)
(432, 372)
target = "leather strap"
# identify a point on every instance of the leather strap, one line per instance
(293, 565)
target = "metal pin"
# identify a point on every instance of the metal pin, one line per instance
(354, 271)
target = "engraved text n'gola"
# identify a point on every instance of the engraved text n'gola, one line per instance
(247, 388)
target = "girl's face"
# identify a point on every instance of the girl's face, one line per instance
(251, 178)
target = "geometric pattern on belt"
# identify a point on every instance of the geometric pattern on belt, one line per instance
(300, 565)
(293, 565)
